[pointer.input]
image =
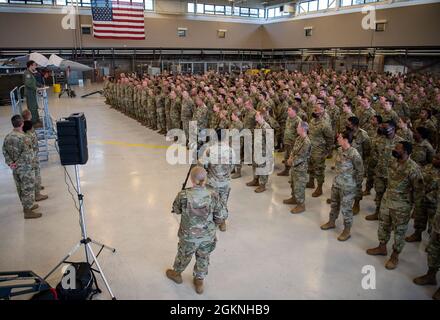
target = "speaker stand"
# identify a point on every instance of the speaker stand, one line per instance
(85, 241)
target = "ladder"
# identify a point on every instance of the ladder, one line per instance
(47, 132)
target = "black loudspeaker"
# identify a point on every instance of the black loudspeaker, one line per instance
(72, 139)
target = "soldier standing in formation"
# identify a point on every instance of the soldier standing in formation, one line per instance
(19, 156)
(404, 193)
(298, 164)
(347, 184)
(367, 104)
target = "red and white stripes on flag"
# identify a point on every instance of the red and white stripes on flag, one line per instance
(118, 20)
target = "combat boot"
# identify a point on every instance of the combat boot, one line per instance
(345, 235)
(366, 192)
(356, 207)
(373, 217)
(428, 279)
(40, 197)
(199, 285)
(162, 131)
(381, 250)
(261, 188)
(41, 188)
(285, 172)
(175, 276)
(29, 214)
(237, 174)
(222, 226)
(252, 183)
(436, 295)
(35, 207)
(415, 237)
(298, 209)
(291, 200)
(318, 191)
(329, 225)
(38, 124)
(311, 183)
(393, 261)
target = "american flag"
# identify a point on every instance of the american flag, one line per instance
(118, 20)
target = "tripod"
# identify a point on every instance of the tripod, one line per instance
(85, 240)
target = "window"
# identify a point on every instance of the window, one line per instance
(200, 8)
(221, 33)
(236, 11)
(191, 7)
(271, 13)
(228, 10)
(345, 3)
(181, 32)
(277, 12)
(380, 26)
(253, 13)
(86, 29)
(261, 13)
(244, 12)
(209, 9)
(219, 9)
(149, 5)
(313, 5)
(332, 3)
(322, 4)
(60, 2)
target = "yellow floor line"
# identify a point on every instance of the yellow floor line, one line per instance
(128, 144)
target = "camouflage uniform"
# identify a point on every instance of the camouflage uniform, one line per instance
(300, 154)
(365, 121)
(239, 126)
(402, 109)
(382, 152)
(403, 192)
(201, 209)
(433, 248)
(219, 173)
(347, 184)
(18, 149)
(406, 135)
(167, 112)
(152, 114)
(160, 111)
(36, 161)
(362, 143)
(423, 152)
(262, 179)
(426, 212)
(290, 136)
(201, 116)
(187, 114)
(129, 99)
(321, 137)
(175, 119)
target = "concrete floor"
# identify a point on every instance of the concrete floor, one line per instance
(267, 253)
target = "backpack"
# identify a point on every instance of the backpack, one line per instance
(85, 281)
